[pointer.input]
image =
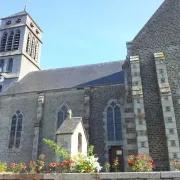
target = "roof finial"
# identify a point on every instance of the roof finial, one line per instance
(25, 7)
(69, 113)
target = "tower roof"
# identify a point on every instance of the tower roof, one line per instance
(16, 14)
(22, 13)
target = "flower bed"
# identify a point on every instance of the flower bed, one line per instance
(140, 163)
(77, 164)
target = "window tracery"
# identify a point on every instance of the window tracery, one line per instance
(16, 130)
(114, 124)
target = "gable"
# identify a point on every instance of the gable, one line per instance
(163, 27)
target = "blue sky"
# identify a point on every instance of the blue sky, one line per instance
(78, 32)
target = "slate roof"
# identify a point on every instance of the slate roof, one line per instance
(21, 14)
(72, 77)
(17, 14)
(69, 126)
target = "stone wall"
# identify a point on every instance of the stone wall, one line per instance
(91, 110)
(98, 102)
(160, 34)
(100, 176)
(27, 105)
(52, 103)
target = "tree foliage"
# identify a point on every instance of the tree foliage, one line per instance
(59, 150)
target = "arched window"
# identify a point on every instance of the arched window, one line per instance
(10, 65)
(62, 115)
(32, 47)
(16, 40)
(16, 130)
(28, 46)
(79, 142)
(0, 88)
(3, 42)
(114, 125)
(1, 65)
(36, 51)
(10, 41)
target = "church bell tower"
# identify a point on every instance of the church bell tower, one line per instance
(20, 48)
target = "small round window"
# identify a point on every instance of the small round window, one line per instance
(32, 25)
(8, 22)
(37, 32)
(18, 20)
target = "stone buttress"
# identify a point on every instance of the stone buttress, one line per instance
(37, 126)
(167, 108)
(139, 111)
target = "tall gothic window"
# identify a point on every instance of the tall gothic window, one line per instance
(3, 41)
(10, 41)
(28, 46)
(36, 51)
(114, 125)
(16, 130)
(16, 40)
(32, 47)
(62, 115)
(1, 65)
(10, 65)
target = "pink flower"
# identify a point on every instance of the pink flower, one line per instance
(42, 156)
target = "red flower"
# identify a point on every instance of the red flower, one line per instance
(70, 161)
(150, 160)
(153, 166)
(59, 165)
(88, 170)
(53, 164)
(131, 163)
(143, 156)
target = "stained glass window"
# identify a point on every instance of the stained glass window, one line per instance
(62, 115)
(114, 125)
(16, 130)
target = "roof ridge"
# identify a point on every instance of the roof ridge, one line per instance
(79, 66)
(16, 14)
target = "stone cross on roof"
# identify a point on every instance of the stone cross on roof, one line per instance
(69, 112)
(25, 7)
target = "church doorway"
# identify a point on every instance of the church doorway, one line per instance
(116, 153)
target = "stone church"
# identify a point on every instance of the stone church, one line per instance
(127, 107)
